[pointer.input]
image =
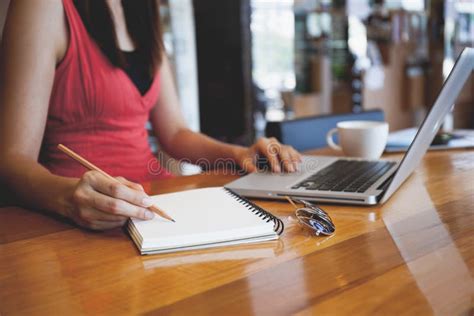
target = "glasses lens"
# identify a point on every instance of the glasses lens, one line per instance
(316, 220)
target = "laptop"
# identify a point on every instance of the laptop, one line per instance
(358, 181)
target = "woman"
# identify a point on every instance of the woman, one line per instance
(90, 74)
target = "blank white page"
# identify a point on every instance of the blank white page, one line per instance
(203, 216)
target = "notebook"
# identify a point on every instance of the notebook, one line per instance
(205, 218)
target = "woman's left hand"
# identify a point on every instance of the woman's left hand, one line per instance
(278, 155)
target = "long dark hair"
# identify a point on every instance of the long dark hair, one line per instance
(143, 24)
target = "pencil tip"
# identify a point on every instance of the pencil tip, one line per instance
(173, 220)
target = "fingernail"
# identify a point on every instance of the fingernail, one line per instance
(149, 215)
(291, 168)
(277, 169)
(147, 202)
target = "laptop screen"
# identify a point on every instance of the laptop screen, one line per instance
(430, 126)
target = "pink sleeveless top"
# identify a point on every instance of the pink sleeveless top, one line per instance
(97, 111)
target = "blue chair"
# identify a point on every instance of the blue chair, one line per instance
(310, 132)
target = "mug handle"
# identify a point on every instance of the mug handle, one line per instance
(330, 141)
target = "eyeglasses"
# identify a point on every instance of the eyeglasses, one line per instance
(313, 217)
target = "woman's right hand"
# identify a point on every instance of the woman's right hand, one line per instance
(99, 203)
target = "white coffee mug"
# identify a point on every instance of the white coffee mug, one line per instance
(365, 139)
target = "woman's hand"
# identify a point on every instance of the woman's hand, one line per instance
(278, 155)
(99, 203)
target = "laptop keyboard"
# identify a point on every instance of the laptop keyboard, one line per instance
(346, 176)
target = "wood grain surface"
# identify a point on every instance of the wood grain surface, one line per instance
(414, 255)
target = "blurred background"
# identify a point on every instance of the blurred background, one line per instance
(240, 64)
(269, 60)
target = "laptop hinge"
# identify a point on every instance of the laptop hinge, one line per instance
(383, 187)
(321, 197)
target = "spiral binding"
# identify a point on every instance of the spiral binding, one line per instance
(278, 225)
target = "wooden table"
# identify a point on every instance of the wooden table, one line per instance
(414, 255)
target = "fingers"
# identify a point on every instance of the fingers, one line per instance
(111, 197)
(295, 157)
(270, 147)
(131, 184)
(286, 161)
(248, 164)
(94, 205)
(290, 158)
(118, 190)
(295, 154)
(118, 206)
(279, 155)
(102, 203)
(97, 220)
(91, 214)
